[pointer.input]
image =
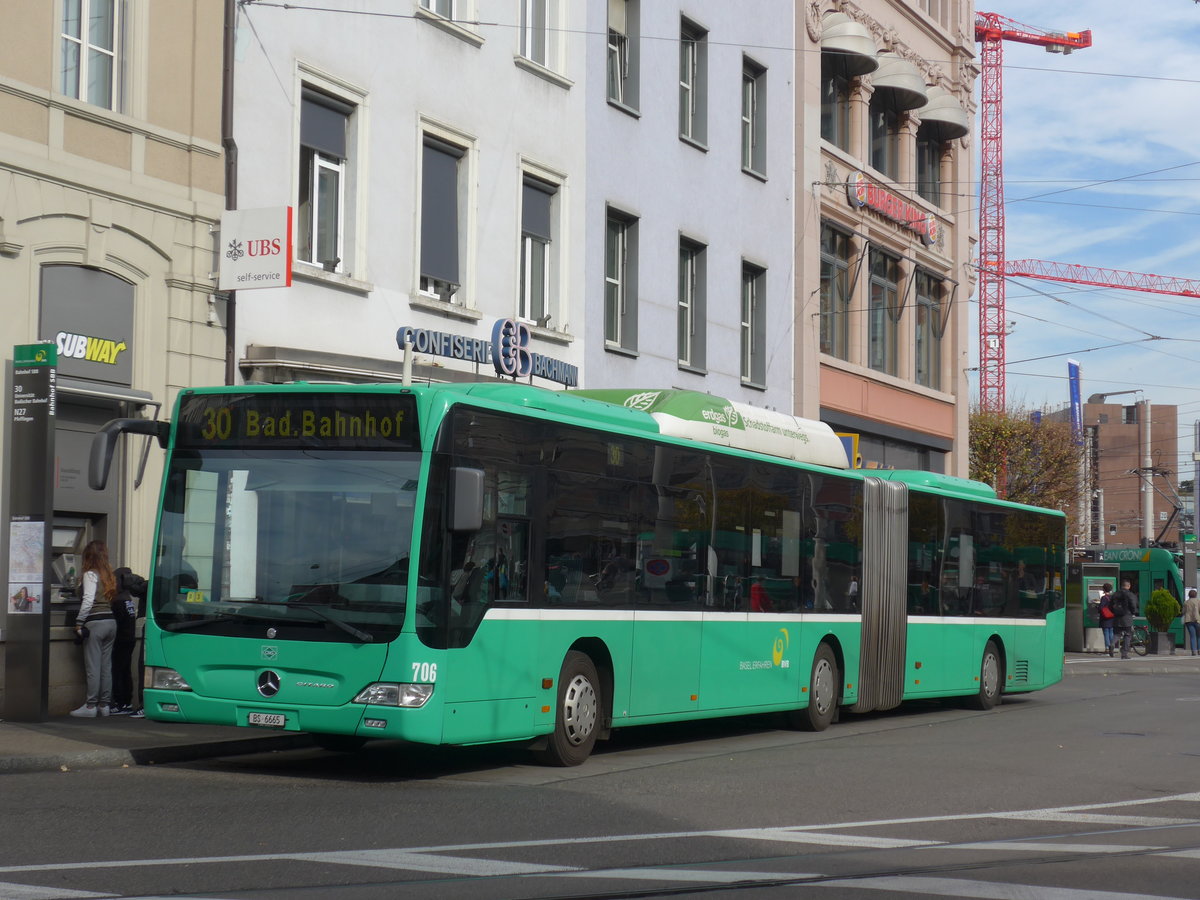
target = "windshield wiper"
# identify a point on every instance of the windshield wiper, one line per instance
(363, 636)
(193, 624)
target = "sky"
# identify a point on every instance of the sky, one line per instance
(1102, 168)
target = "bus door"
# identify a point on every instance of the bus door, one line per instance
(669, 597)
(881, 675)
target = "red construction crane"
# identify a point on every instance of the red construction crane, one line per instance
(1113, 278)
(992, 30)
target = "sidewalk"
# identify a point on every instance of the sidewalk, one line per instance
(66, 743)
(1103, 664)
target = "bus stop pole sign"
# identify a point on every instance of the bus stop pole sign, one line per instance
(31, 503)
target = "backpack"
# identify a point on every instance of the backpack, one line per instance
(1118, 604)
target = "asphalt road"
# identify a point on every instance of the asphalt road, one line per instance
(1088, 790)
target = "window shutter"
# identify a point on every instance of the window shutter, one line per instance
(535, 208)
(439, 212)
(323, 124)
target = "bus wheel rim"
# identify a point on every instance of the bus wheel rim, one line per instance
(991, 674)
(822, 686)
(579, 710)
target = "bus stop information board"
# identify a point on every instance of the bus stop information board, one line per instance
(31, 489)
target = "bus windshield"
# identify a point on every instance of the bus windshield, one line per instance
(311, 544)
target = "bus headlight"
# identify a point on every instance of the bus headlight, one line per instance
(410, 696)
(161, 679)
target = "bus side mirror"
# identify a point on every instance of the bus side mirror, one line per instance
(105, 441)
(466, 499)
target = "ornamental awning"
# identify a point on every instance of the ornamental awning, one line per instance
(944, 114)
(900, 77)
(849, 44)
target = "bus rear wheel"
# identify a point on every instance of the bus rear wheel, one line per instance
(822, 692)
(577, 722)
(991, 679)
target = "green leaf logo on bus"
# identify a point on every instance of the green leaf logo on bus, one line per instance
(781, 644)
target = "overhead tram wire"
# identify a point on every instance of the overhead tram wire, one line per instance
(298, 7)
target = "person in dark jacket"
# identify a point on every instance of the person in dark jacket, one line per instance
(1124, 604)
(128, 606)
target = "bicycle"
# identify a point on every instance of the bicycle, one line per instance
(1139, 640)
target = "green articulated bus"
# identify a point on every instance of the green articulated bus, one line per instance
(474, 563)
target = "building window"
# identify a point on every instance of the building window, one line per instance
(692, 293)
(938, 10)
(444, 8)
(623, 52)
(441, 235)
(754, 361)
(835, 292)
(535, 31)
(91, 38)
(620, 281)
(884, 312)
(929, 164)
(537, 229)
(835, 102)
(324, 162)
(885, 134)
(693, 83)
(931, 325)
(754, 117)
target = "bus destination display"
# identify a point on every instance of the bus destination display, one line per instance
(294, 421)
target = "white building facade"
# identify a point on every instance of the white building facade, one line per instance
(689, 268)
(436, 170)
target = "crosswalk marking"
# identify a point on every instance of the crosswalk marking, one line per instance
(707, 876)
(981, 890)
(430, 862)
(11, 891)
(787, 835)
(1048, 847)
(1054, 815)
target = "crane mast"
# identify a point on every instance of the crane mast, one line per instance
(992, 30)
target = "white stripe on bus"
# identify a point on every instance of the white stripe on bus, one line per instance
(559, 614)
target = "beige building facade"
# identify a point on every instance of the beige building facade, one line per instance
(885, 228)
(111, 185)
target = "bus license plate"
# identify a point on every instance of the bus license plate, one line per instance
(268, 720)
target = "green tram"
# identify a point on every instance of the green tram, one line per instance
(463, 564)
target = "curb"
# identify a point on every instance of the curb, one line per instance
(149, 756)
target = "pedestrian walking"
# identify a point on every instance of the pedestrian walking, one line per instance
(1124, 605)
(97, 628)
(1191, 620)
(1104, 612)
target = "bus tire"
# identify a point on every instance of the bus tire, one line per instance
(822, 692)
(577, 720)
(339, 743)
(991, 679)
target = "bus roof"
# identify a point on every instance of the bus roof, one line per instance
(716, 420)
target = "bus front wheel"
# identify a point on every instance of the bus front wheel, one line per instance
(822, 692)
(577, 721)
(991, 679)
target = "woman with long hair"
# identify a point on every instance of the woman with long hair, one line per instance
(99, 589)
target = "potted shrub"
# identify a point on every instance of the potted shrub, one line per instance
(1161, 610)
